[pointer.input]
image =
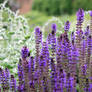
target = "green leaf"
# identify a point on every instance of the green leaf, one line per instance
(27, 37)
(11, 33)
(2, 58)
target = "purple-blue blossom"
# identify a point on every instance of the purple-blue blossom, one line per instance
(67, 26)
(24, 52)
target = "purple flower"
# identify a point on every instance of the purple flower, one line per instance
(89, 49)
(62, 76)
(79, 32)
(87, 86)
(31, 68)
(44, 82)
(80, 15)
(20, 69)
(53, 75)
(72, 37)
(59, 52)
(42, 65)
(74, 53)
(13, 84)
(68, 49)
(25, 52)
(90, 87)
(38, 41)
(67, 26)
(38, 35)
(49, 39)
(58, 85)
(32, 86)
(21, 88)
(90, 13)
(7, 76)
(20, 76)
(36, 77)
(69, 83)
(53, 44)
(87, 31)
(54, 27)
(45, 52)
(84, 69)
(37, 30)
(3, 79)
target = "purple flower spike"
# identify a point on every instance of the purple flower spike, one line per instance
(20, 76)
(25, 52)
(80, 15)
(32, 86)
(7, 76)
(31, 68)
(90, 13)
(49, 39)
(54, 27)
(13, 84)
(90, 87)
(87, 31)
(84, 69)
(38, 35)
(3, 79)
(37, 29)
(67, 26)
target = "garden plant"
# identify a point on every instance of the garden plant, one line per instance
(60, 64)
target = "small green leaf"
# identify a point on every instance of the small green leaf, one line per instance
(11, 33)
(2, 58)
(27, 37)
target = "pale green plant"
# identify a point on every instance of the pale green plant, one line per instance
(14, 33)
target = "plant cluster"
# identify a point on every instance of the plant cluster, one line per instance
(14, 33)
(59, 64)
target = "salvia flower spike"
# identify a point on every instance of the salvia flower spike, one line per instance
(90, 13)
(13, 84)
(24, 52)
(38, 40)
(91, 22)
(67, 26)
(87, 31)
(80, 16)
(20, 76)
(59, 64)
(54, 27)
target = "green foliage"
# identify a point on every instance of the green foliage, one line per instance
(35, 18)
(85, 4)
(1, 1)
(55, 7)
(58, 7)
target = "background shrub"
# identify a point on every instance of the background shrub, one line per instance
(58, 7)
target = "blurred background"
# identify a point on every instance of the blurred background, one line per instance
(38, 12)
(49, 7)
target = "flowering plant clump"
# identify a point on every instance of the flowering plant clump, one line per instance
(14, 33)
(59, 65)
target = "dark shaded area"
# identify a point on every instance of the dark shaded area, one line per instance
(1, 1)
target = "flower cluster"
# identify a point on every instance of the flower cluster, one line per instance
(59, 65)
